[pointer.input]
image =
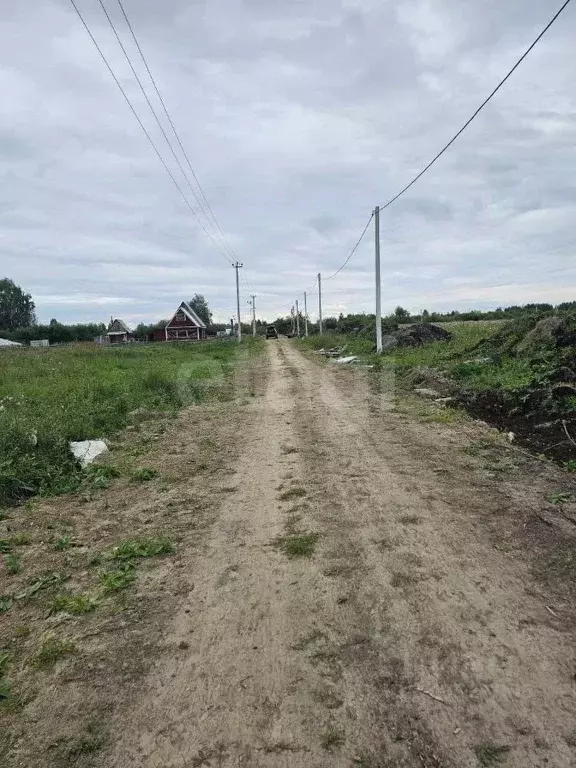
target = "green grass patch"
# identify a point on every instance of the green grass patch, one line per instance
(12, 563)
(51, 651)
(101, 475)
(46, 581)
(121, 578)
(5, 687)
(64, 542)
(491, 754)
(6, 602)
(135, 549)
(74, 604)
(143, 475)
(559, 497)
(295, 545)
(50, 397)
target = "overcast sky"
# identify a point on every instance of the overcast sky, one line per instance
(298, 117)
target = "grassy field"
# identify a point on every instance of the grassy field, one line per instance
(450, 356)
(49, 397)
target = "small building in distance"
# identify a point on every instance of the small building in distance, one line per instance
(118, 332)
(185, 325)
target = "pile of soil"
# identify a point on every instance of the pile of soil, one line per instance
(415, 336)
(542, 415)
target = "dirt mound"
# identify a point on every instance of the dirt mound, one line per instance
(544, 333)
(415, 336)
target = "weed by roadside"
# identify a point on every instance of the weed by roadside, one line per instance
(135, 549)
(559, 497)
(5, 688)
(144, 475)
(331, 738)
(74, 604)
(51, 651)
(491, 754)
(64, 542)
(297, 544)
(12, 563)
(100, 475)
(114, 581)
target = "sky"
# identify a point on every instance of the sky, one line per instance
(298, 118)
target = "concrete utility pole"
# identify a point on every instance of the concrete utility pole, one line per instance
(319, 303)
(292, 320)
(253, 315)
(305, 316)
(378, 282)
(297, 320)
(237, 266)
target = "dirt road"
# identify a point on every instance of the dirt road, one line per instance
(406, 637)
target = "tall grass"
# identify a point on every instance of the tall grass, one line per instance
(451, 356)
(49, 397)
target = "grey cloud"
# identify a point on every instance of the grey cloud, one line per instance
(298, 117)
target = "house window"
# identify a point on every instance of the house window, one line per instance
(182, 334)
(180, 317)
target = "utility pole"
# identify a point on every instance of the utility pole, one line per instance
(319, 303)
(378, 282)
(292, 320)
(305, 316)
(237, 266)
(297, 320)
(253, 315)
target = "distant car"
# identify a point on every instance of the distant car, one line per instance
(271, 332)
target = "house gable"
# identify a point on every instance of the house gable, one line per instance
(118, 326)
(185, 317)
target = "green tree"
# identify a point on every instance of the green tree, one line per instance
(16, 307)
(401, 314)
(200, 306)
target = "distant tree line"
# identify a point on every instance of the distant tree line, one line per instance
(358, 322)
(18, 319)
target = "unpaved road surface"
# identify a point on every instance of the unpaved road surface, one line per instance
(413, 630)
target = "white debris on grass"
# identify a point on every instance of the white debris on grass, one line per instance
(87, 450)
(345, 360)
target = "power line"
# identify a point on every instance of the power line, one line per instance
(480, 108)
(353, 251)
(153, 81)
(155, 115)
(141, 124)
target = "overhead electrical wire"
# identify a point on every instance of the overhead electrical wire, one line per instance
(453, 139)
(176, 134)
(152, 110)
(480, 108)
(143, 127)
(353, 251)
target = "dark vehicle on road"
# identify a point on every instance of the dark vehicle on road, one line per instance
(271, 332)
